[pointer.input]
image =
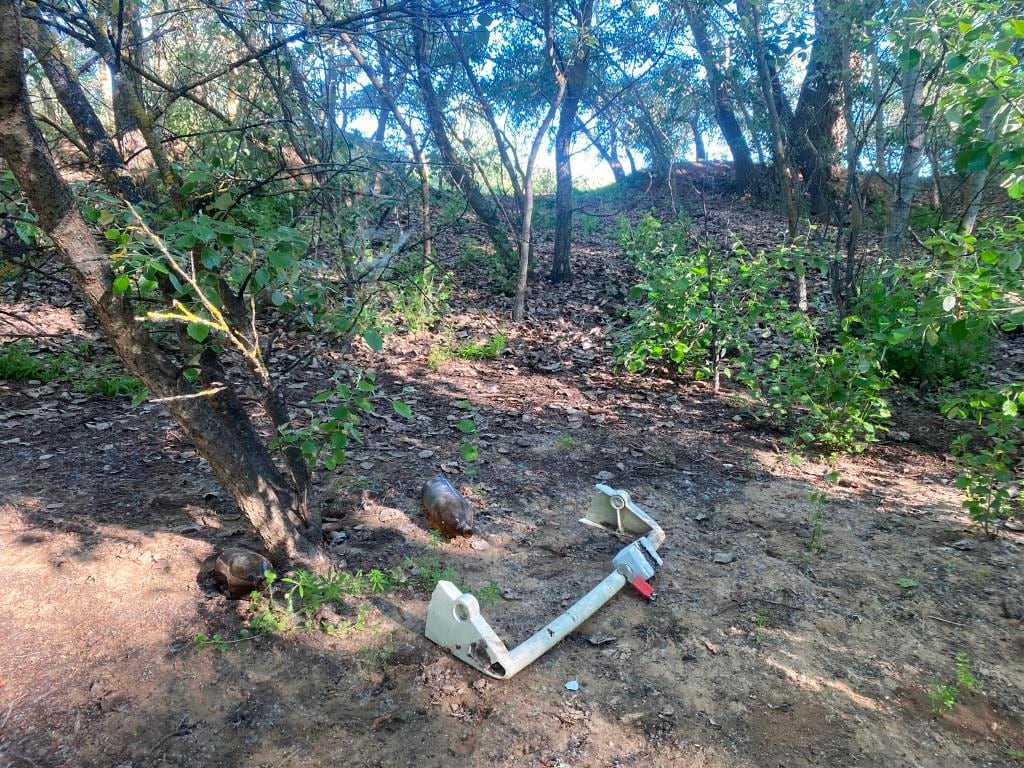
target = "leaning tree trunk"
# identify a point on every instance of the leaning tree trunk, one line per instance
(609, 152)
(743, 163)
(73, 99)
(978, 180)
(576, 78)
(227, 442)
(484, 207)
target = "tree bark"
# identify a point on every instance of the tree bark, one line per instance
(700, 152)
(576, 79)
(484, 208)
(782, 170)
(978, 180)
(526, 225)
(910, 162)
(743, 164)
(221, 435)
(75, 102)
(609, 152)
(816, 119)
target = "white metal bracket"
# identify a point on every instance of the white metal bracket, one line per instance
(454, 620)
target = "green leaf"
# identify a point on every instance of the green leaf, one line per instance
(121, 284)
(402, 409)
(373, 340)
(223, 201)
(277, 298)
(198, 331)
(467, 426)
(910, 58)
(906, 583)
(323, 397)
(469, 451)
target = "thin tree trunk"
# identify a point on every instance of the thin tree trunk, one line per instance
(782, 170)
(743, 164)
(576, 78)
(462, 177)
(214, 422)
(410, 136)
(632, 161)
(878, 98)
(700, 151)
(608, 153)
(73, 99)
(910, 162)
(526, 230)
(977, 181)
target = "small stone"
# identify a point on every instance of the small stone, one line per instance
(963, 544)
(426, 454)
(604, 475)
(1013, 608)
(1014, 525)
(723, 558)
(572, 685)
(480, 544)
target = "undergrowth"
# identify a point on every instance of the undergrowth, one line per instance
(78, 367)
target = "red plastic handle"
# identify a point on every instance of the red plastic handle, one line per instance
(643, 587)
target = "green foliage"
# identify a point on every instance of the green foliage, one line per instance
(704, 314)
(470, 448)
(447, 349)
(502, 269)
(420, 298)
(78, 367)
(325, 437)
(488, 595)
(944, 697)
(905, 582)
(989, 461)
(481, 350)
(941, 697)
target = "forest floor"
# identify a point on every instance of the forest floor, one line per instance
(804, 649)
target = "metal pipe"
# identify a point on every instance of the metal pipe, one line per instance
(542, 641)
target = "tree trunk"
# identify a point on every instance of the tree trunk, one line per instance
(227, 442)
(782, 171)
(815, 121)
(75, 102)
(526, 226)
(743, 164)
(462, 177)
(609, 153)
(878, 99)
(910, 163)
(978, 180)
(418, 156)
(700, 151)
(576, 78)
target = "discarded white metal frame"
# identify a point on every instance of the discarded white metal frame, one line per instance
(455, 623)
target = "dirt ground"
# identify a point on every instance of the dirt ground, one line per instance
(783, 656)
